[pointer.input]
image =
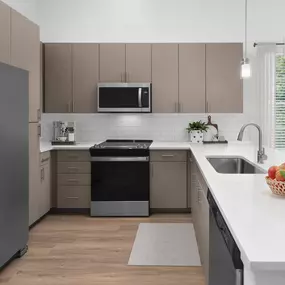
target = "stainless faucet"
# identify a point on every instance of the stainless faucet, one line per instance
(261, 156)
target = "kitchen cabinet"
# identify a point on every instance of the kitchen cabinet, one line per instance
(73, 180)
(34, 172)
(112, 62)
(41, 78)
(85, 62)
(200, 214)
(223, 82)
(168, 180)
(45, 189)
(4, 33)
(192, 85)
(138, 63)
(58, 78)
(165, 78)
(25, 54)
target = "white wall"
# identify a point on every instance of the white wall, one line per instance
(165, 21)
(25, 7)
(160, 20)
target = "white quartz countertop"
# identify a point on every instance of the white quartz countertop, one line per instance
(253, 214)
(255, 217)
(47, 146)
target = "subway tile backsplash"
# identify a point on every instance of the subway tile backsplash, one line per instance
(159, 127)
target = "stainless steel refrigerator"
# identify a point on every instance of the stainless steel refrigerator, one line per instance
(14, 162)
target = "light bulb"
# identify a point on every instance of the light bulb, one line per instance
(245, 68)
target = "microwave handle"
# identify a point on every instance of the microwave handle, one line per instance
(140, 97)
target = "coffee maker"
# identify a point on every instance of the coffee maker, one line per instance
(63, 133)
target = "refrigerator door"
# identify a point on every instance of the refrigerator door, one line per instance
(14, 161)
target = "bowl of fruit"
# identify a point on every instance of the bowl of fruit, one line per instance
(276, 179)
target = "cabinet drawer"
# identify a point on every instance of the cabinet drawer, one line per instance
(73, 197)
(73, 167)
(168, 155)
(73, 156)
(73, 179)
(45, 158)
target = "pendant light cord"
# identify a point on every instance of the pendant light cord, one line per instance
(245, 29)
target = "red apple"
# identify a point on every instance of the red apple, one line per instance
(280, 175)
(272, 171)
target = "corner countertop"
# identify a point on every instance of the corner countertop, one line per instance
(253, 214)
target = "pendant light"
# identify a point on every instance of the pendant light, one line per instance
(245, 64)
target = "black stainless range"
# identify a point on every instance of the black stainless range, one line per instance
(120, 178)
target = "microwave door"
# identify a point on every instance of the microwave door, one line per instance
(120, 99)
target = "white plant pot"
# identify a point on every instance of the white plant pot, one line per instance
(196, 136)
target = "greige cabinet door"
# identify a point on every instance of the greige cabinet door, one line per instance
(112, 62)
(138, 62)
(34, 173)
(58, 78)
(204, 227)
(85, 77)
(45, 189)
(25, 54)
(4, 33)
(192, 75)
(224, 91)
(165, 78)
(168, 186)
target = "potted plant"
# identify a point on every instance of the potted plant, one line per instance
(196, 131)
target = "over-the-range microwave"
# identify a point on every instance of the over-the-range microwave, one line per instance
(124, 98)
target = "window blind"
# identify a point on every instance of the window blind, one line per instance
(279, 103)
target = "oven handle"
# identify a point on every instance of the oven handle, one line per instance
(120, 159)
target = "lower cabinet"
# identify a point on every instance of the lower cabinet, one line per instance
(45, 188)
(200, 214)
(168, 180)
(73, 180)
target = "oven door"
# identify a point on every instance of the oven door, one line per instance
(120, 186)
(124, 97)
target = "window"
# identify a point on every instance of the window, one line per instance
(279, 103)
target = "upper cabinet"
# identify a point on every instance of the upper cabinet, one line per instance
(192, 86)
(25, 54)
(186, 78)
(4, 33)
(58, 78)
(224, 88)
(112, 63)
(138, 63)
(165, 78)
(85, 62)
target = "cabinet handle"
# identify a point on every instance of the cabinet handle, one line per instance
(45, 159)
(43, 174)
(39, 130)
(73, 106)
(167, 155)
(39, 114)
(73, 180)
(69, 107)
(72, 197)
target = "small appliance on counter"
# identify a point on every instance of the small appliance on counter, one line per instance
(63, 133)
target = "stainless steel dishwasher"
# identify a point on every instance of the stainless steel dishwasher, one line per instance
(226, 267)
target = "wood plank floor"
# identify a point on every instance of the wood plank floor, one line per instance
(78, 250)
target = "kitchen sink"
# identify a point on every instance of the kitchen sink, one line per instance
(234, 165)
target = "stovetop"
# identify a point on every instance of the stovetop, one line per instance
(118, 148)
(124, 144)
